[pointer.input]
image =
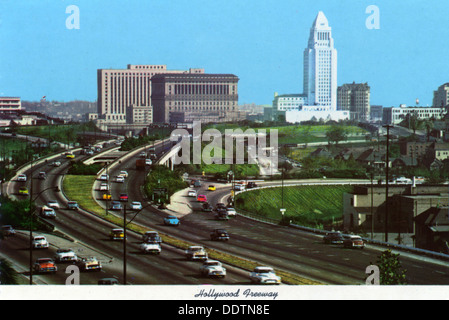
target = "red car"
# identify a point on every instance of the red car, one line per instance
(202, 198)
(124, 197)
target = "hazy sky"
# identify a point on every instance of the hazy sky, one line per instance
(260, 41)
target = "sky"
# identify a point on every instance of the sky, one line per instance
(260, 41)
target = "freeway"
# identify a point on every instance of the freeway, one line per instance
(90, 234)
(281, 247)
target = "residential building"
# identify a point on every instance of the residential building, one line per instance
(395, 115)
(195, 96)
(355, 97)
(441, 96)
(432, 229)
(119, 89)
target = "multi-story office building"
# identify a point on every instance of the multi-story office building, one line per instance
(119, 89)
(10, 104)
(355, 97)
(195, 96)
(441, 96)
(395, 115)
(320, 65)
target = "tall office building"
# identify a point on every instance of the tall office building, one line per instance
(320, 65)
(441, 96)
(355, 97)
(121, 89)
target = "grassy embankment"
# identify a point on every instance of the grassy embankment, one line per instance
(79, 188)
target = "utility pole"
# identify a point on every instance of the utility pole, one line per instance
(387, 173)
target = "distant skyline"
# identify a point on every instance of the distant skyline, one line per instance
(262, 42)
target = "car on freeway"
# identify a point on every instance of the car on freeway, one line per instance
(231, 212)
(42, 176)
(70, 156)
(222, 214)
(40, 242)
(124, 197)
(354, 242)
(104, 187)
(104, 177)
(108, 281)
(172, 221)
(8, 231)
(201, 198)
(154, 248)
(117, 234)
(116, 206)
(333, 238)
(251, 185)
(212, 268)
(120, 179)
(239, 187)
(151, 237)
(136, 205)
(53, 204)
(89, 264)
(73, 205)
(23, 191)
(56, 164)
(219, 206)
(22, 178)
(219, 234)
(107, 196)
(148, 162)
(196, 253)
(212, 188)
(65, 255)
(192, 193)
(123, 174)
(143, 154)
(206, 207)
(45, 265)
(264, 275)
(47, 212)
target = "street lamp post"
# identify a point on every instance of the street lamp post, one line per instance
(387, 173)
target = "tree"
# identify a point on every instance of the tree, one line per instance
(336, 134)
(391, 272)
(8, 275)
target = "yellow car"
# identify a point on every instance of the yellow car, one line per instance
(107, 196)
(70, 156)
(212, 188)
(23, 190)
(117, 234)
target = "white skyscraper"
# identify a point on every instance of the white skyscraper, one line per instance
(320, 66)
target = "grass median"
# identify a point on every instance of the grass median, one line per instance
(79, 188)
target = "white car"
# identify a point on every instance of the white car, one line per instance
(124, 174)
(148, 162)
(47, 212)
(120, 179)
(196, 253)
(136, 205)
(53, 204)
(65, 255)
(264, 275)
(212, 268)
(154, 248)
(40, 242)
(56, 164)
(231, 212)
(192, 193)
(22, 178)
(104, 177)
(104, 187)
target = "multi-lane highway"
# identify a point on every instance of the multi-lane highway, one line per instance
(283, 248)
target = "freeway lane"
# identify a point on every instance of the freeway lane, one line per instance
(170, 267)
(281, 247)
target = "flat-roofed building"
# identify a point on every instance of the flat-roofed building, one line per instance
(10, 104)
(195, 97)
(355, 97)
(395, 115)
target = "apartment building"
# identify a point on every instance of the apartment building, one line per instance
(10, 104)
(355, 97)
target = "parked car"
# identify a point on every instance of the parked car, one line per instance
(212, 268)
(66, 255)
(264, 275)
(22, 178)
(172, 221)
(151, 247)
(354, 242)
(219, 234)
(136, 205)
(45, 265)
(89, 264)
(201, 198)
(333, 238)
(47, 212)
(8, 231)
(117, 234)
(40, 242)
(196, 253)
(72, 205)
(151, 237)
